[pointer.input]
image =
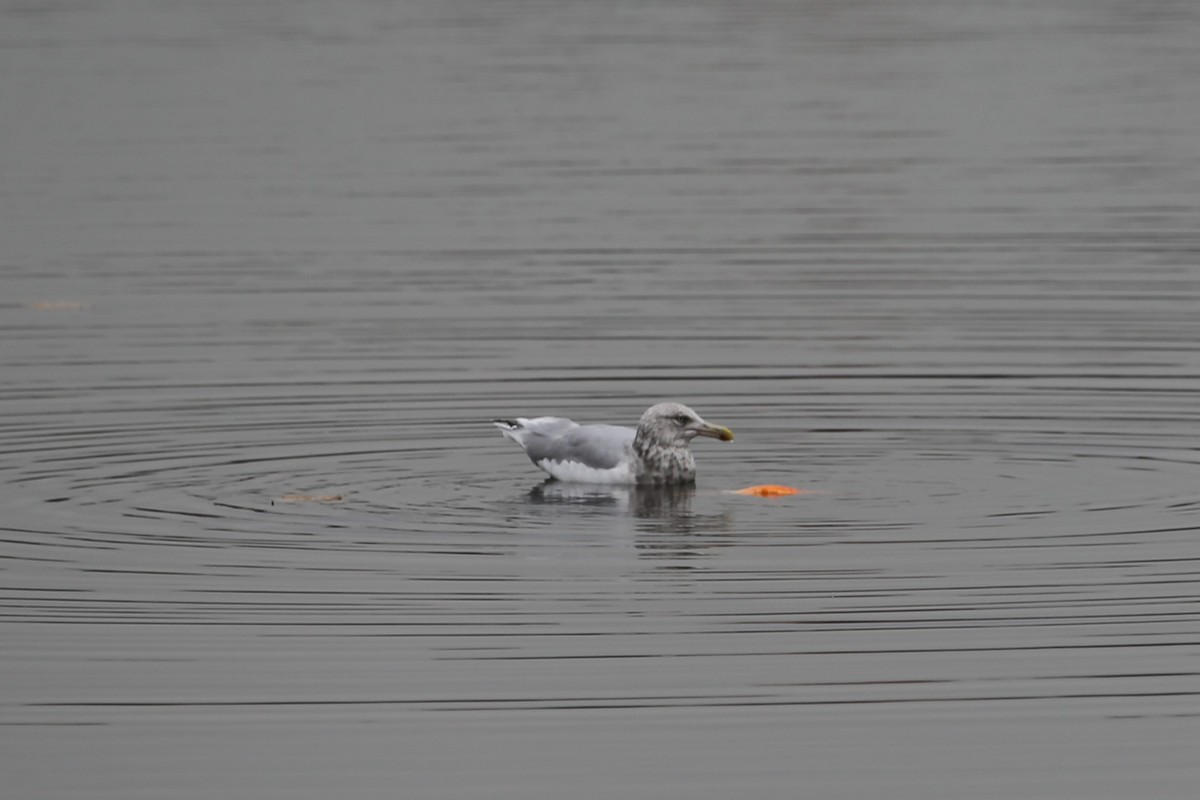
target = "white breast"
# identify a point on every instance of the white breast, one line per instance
(581, 473)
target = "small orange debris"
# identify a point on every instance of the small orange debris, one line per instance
(768, 490)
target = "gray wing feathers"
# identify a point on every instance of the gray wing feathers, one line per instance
(597, 446)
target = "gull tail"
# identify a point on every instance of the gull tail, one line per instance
(523, 431)
(512, 429)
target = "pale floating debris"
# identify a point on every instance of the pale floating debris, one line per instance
(308, 498)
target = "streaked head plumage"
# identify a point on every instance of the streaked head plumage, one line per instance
(673, 424)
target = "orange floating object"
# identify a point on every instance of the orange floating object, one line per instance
(768, 490)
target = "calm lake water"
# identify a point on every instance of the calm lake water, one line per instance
(936, 262)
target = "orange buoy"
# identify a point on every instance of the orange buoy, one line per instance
(768, 490)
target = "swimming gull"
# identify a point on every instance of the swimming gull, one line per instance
(655, 453)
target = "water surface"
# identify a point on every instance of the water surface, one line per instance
(936, 263)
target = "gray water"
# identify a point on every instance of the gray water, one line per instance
(937, 263)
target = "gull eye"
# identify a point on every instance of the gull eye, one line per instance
(682, 419)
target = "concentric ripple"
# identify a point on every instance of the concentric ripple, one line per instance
(268, 269)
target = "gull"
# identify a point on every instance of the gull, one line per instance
(654, 453)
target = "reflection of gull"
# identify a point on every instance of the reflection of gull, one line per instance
(660, 508)
(655, 453)
(642, 501)
(554, 492)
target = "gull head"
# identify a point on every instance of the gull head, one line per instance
(674, 425)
